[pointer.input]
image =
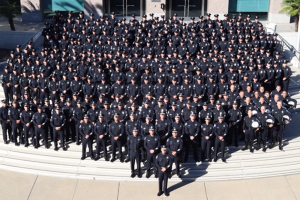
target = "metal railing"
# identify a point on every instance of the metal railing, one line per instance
(35, 38)
(286, 44)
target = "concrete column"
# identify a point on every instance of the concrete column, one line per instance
(274, 15)
(94, 6)
(217, 7)
(154, 7)
(31, 10)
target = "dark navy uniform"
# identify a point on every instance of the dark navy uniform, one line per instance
(151, 143)
(116, 132)
(86, 131)
(207, 130)
(101, 130)
(175, 145)
(58, 122)
(40, 119)
(14, 117)
(5, 122)
(135, 144)
(163, 161)
(192, 130)
(220, 130)
(26, 119)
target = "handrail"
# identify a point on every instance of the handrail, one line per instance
(286, 43)
(30, 39)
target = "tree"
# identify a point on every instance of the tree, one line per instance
(292, 7)
(10, 10)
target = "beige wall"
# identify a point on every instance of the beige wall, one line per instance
(218, 7)
(274, 15)
(30, 6)
(154, 7)
(93, 6)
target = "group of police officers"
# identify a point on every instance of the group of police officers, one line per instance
(155, 86)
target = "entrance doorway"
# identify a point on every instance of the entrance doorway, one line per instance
(125, 8)
(186, 8)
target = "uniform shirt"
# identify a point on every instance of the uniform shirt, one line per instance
(40, 119)
(135, 143)
(221, 129)
(174, 144)
(163, 161)
(101, 128)
(207, 130)
(86, 129)
(26, 116)
(58, 120)
(192, 128)
(152, 143)
(248, 122)
(116, 129)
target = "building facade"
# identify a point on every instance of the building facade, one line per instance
(268, 10)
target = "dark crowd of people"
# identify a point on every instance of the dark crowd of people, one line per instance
(151, 85)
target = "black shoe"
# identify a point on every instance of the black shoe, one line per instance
(96, 158)
(245, 148)
(56, 149)
(113, 160)
(127, 160)
(77, 143)
(236, 145)
(209, 160)
(251, 150)
(36, 147)
(159, 194)
(147, 174)
(170, 176)
(139, 175)
(26, 145)
(65, 149)
(143, 160)
(215, 160)
(223, 160)
(121, 160)
(167, 193)
(156, 175)
(17, 144)
(264, 149)
(6, 142)
(106, 158)
(83, 157)
(132, 175)
(197, 160)
(280, 148)
(179, 175)
(272, 146)
(257, 147)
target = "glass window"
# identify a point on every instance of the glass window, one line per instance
(64, 6)
(249, 5)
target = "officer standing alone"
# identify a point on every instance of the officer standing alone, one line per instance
(163, 163)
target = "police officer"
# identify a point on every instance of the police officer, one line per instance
(235, 118)
(207, 132)
(86, 131)
(14, 116)
(267, 122)
(192, 130)
(135, 144)
(152, 146)
(175, 146)
(78, 114)
(249, 128)
(58, 121)
(40, 119)
(221, 131)
(163, 163)
(101, 132)
(26, 119)
(282, 118)
(5, 121)
(116, 132)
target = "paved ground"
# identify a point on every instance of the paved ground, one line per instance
(24, 186)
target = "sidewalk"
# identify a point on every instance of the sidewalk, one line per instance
(25, 186)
